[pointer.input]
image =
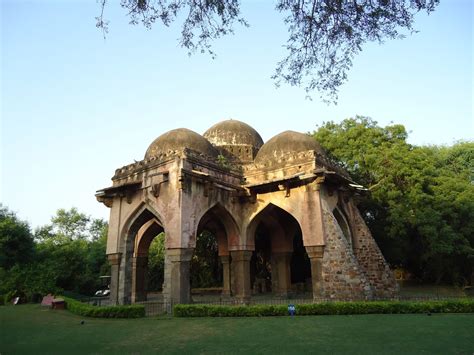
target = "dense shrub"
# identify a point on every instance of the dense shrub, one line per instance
(86, 310)
(387, 307)
(327, 308)
(189, 310)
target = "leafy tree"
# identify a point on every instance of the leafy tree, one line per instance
(70, 224)
(421, 203)
(16, 240)
(156, 263)
(68, 254)
(73, 246)
(324, 35)
(206, 269)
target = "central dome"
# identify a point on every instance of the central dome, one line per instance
(287, 142)
(179, 139)
(233, 132)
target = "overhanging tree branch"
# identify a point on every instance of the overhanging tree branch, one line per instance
(324, 35)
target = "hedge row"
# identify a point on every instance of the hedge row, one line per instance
(327, 308)
(190, 310)
(87, 310)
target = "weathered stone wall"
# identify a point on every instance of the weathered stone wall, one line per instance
(370, 258)
(342, 277)
(185, 190)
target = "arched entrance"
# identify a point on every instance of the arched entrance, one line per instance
(146, 234)
(141, 231)
(279, 262)
(216, 230)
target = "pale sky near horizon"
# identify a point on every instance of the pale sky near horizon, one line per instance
(74, 107)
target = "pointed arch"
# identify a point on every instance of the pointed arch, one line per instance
(221, 222)
(141, 215)
(145, 236)
(131, 282)
(272, 233)
(275, 219)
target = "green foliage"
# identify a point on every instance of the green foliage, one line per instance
(190, 310)
(29, 282)
(386, 307)
(327, 308)
(156, 263)
(16, 241)
(421, 203)
(86, 310)
(68, 254)
(72, 248)
(324, 36)
(223, 162)
(206, 270)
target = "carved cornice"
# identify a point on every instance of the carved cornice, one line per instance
(126, 190)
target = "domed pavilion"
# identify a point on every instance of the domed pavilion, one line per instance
(284, 217)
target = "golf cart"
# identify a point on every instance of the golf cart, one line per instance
(105, 288)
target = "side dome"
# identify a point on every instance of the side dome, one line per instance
(178, 139)
(287, 142)
(236, 138)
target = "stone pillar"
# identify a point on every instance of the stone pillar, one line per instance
(225, 260)
(114, 261)
(315, 254)
(281, 275)
(179, 285)
(241, 274)
(139, 272)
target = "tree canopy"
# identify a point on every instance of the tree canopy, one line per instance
(324, 35)
(421, 203)
(16, 240)
(67, 254)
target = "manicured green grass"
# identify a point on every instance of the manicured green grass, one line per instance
(30, 329)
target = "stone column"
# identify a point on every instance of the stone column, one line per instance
(139, 272)
(315, 254)
(225, 260)
(178, 261)
(281, 273)
(241, 274)
(114, 261)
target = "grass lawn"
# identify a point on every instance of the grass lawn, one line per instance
(30, 329)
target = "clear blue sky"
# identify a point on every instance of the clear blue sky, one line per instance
(74, 107)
